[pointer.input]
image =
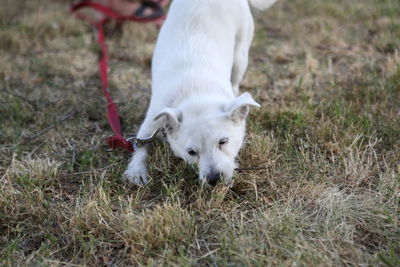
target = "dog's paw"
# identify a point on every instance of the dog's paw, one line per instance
(136, 175)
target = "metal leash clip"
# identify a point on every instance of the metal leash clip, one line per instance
(137, 142)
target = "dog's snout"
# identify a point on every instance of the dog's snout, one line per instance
(213, 178)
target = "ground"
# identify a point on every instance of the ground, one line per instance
(326, 138)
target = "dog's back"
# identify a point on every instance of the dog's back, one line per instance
(198, 40)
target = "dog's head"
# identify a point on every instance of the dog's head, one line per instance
(208, 135)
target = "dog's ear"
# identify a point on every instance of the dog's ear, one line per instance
(238, 109)
(171, 118)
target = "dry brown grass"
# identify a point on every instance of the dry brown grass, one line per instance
(327, 75)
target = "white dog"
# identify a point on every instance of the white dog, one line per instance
(200, 58)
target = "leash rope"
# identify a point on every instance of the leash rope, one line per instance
(157, 16)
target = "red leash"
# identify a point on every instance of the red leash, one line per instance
(116, 141)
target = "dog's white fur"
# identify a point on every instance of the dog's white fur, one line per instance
(200, 58)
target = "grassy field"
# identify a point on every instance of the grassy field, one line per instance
(327, 74)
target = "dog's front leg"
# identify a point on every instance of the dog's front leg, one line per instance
(137, 171)
(239, 69)
(241, 56)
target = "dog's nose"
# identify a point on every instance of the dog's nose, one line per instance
(213, 178)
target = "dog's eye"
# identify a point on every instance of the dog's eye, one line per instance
(222, 142)
(191, 152)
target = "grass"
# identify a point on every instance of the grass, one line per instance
(327, 74)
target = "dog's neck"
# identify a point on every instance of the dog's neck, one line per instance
(202, 91)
